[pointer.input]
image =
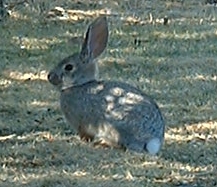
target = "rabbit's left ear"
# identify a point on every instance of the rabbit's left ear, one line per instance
(96, 39)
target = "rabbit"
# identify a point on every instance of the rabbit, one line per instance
(108, 113)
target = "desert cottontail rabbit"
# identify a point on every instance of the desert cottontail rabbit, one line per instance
(108, 112)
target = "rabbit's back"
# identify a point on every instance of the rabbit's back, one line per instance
(115, 110)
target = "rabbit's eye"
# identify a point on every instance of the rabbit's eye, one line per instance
(68, 67)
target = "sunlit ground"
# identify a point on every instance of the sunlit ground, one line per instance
(174, 61)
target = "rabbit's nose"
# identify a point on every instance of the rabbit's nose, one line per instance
(53, 78)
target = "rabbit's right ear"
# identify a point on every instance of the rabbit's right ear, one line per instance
(96, 39)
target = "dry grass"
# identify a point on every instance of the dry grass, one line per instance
(174, 63)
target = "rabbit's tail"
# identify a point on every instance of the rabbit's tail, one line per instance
(153, 146)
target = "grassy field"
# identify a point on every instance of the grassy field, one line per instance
(174, 61)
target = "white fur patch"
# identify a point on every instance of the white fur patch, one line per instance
(153, 146)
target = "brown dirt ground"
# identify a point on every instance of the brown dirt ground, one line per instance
(174, 62)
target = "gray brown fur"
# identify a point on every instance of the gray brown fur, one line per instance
(108, 112)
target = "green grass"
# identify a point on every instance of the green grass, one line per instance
(174, 63)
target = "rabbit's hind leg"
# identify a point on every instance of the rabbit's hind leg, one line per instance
(105, 142)
(152, 146)
(135, 146)
(107, 136)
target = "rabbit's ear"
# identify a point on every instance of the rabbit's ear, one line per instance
(96, 39)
